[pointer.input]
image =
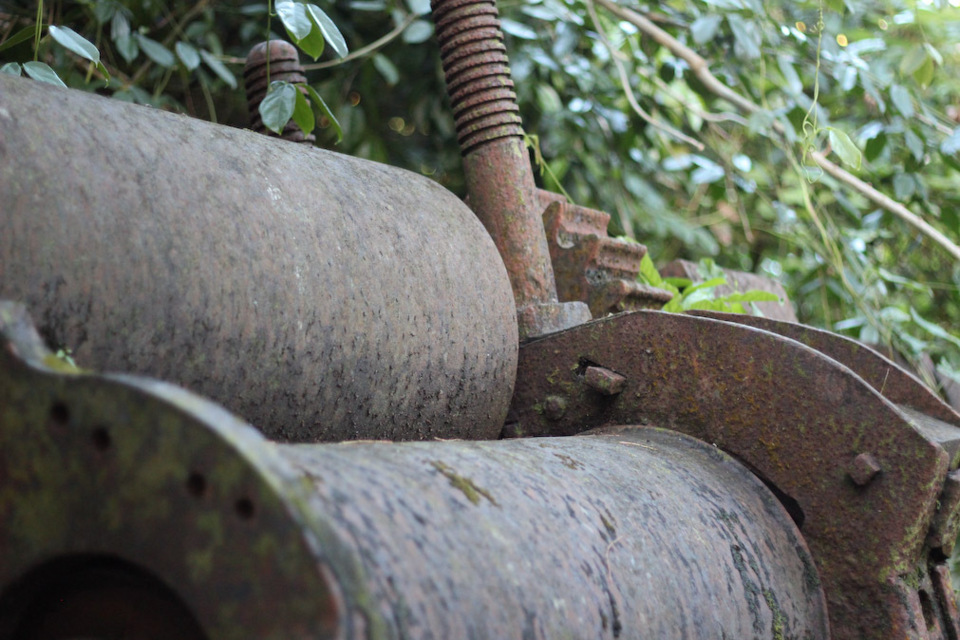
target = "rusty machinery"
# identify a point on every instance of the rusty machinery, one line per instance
(637, 475)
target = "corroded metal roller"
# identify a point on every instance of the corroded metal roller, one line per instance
(125, 494)
(320, 296)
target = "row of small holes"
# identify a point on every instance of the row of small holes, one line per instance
(196, 483)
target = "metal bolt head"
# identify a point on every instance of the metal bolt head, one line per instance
(554, 407)
(604, 381)
(864, 469)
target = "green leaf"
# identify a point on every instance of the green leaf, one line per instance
(76, 43)
(951, 143)
(218, 68)
(386, 68)
(313, 45)
(124, 41)
(278, 106)
(753, 295)
(678, 283)
(705, 27)
(329, 30)
(794, 85)
(419, 31)
(188, 55)
(924, 75)
(156, 51)
(933, 52)
(648, 273)
(325, 110)
(913, 61)
(419, 7)
(902, 101)
(548, 99)
(20, 36)
(303, 114)
(73, 41)
(844, 147)
(914, 143)
(706, 284)
(934, 329)
(43, 73)
(295, 20)
(904, 186)
(746, 37)
(518, 29)
(874, 146)
(11, 69)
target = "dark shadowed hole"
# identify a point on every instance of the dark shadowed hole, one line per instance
(244, 508)
(101, 439)
(94, 598)
(929, 614)
(59, 414)
(197, 485)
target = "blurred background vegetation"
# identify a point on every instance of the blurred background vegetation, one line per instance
(872, 85)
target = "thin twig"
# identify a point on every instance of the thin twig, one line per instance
(370, 48)
(698, 65)
(885, 201)
(631, 97)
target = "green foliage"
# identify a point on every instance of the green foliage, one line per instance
(688, 296)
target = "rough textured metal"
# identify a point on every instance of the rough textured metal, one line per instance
(864, 468)
(797, 417)
(273, 61)
(477, 71)
(604, 381)
(946, 523)
(592, 267)
(500, 184)
(636, 533)
(936, 419)
(739, 281)
(319, 296)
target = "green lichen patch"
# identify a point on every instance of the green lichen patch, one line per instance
(464, 485)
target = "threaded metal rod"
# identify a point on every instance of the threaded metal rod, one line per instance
(496, 165)
(477, 71)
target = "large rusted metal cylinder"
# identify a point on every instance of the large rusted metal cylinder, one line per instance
(319, 296)
(633, 533)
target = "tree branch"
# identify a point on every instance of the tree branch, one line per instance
(370, 48)
(699, 67)
(625, 83)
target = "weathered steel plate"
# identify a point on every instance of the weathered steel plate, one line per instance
(860, 478)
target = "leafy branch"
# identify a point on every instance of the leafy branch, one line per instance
(700, 68)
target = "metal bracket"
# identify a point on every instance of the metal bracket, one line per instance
(861, 480)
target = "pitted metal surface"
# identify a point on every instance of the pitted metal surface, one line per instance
(869, 487)
(320, 296)
(630, 533)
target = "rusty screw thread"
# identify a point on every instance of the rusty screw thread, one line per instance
(284, 65)
(496, 163)
(477, 71)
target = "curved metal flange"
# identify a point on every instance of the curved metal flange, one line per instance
(95, 468)
(892, 381)
(862, 480)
